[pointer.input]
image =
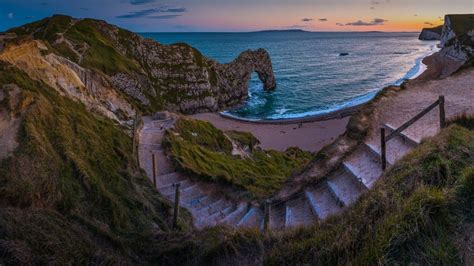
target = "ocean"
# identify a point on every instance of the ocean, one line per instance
(312, 77)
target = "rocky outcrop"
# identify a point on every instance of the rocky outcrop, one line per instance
(457, 39)
(457, 47)
(146, 74)
(431, 34)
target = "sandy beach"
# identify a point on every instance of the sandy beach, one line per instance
(311, 136)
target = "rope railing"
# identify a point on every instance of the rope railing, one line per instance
(385, 138)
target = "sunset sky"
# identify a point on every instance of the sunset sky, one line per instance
(242, 15)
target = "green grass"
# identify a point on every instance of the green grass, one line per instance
(199, 148)
(415, 214)
(101, 54)
(411, 216)
(72, 191)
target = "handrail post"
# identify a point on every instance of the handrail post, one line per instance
(154, 167)
(383, 148)
(442, 113)
(176, 206)
(266, 218)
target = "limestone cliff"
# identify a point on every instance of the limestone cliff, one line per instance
(457, 47)
(115, 72)
(431, 34)
(457, 38)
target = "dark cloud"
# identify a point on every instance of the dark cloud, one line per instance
(153, 12)
(375, 2)
(372, 7)
(416, 15)
(376, 21)
(141, 2)
(429, 23)
(307, 19)
(164, 16)
(339, 24)
(84, 8)
(323, 19)
(44, 4)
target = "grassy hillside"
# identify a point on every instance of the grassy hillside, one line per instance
(421, 211)
(203, 150)
(71, 191)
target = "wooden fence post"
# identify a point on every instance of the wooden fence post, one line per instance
(154, 167)
(137, 154)
(383, 148)
(176, 206)
(442, 113)
(266, 218)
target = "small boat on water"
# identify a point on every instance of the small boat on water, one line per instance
(343, 54)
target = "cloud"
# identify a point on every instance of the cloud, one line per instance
(429, 23)
(153, 11)
(10, 15)
(339, 24)
(416, 15)
(164, 16)
(323, 19)
(372, 7)
(29, 17)
(141, 2)
(375, 2)
(374, 22)
(307, 19)
(84, 8)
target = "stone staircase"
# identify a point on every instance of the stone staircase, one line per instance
(358, 173)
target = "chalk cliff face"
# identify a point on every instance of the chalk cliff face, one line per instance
(115, 72)
(431, 34)
(457, 38)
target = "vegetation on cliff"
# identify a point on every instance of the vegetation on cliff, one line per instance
(71, 191)
(420, 212)
(205, 151)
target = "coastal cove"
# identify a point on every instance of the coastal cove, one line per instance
(313, 81)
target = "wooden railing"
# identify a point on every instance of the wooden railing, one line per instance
(385, 138)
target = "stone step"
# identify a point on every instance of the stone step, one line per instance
(169, 179)
(253, 218)
(364, 165)
(234, 217)
(299, 213)
(211, 208)
(202, 202)
(345, 187)
(221, 214)
(189, 194)
(150, 147)
(277, 216)
(322, 201)
(353, 172)
(170, 190)
(163, 165)
(403, 135)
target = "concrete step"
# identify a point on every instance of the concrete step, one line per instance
(299, 213)
(345, 187)
(234, 217)
(163, 165)
(253, 218)
(189, 194)
(322, 201)
(364, 165)
(221, 214)
(169, 179)
(277, 216)
(403, 135)
(170, 190)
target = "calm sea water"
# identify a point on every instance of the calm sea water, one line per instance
(312, 77)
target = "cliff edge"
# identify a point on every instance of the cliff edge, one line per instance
(431, 34)
(115, 72)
